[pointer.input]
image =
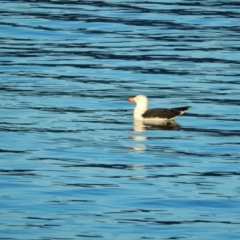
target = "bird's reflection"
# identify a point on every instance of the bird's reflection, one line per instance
(140, 127)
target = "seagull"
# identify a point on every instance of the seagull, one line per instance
(142, 113)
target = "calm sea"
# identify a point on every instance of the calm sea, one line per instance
(74, 165)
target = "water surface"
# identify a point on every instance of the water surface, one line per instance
(74, 165)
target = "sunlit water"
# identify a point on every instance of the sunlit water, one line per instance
(73, 164)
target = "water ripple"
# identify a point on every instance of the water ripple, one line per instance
(74, 164)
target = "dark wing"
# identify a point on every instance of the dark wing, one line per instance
(164, 113)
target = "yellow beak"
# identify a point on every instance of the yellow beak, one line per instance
(131, 100)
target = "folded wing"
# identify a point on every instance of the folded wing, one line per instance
(163, 113)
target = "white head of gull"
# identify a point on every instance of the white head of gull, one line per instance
(141, 111)
(141, 106)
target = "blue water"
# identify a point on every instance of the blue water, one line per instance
(74, 165)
